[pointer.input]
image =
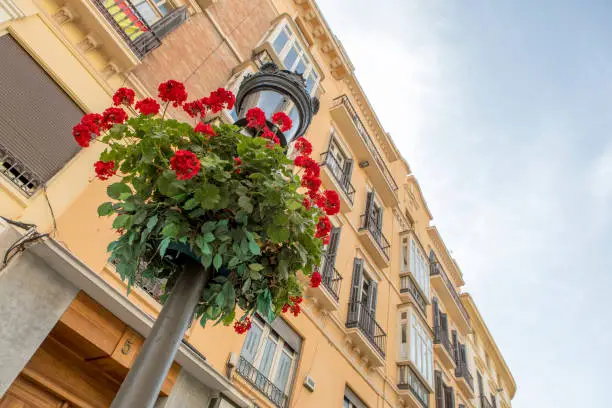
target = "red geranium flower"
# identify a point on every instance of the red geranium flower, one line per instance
(303, 146)
(124, 96)
(219, 99)
(315, 279)
(237, 162)
(282, 120)
(311, 166)
(205, 128)
(147, 106)
(244, 326)
(323, 227)
(325, 240)
(195, 108)
(256, 118)
(329, 202)
(172, 91)
(93, 121)
(268, 134)
(312, 183)
(82, 134)
(185, 164)
(306, 203)
(295, 310)
(286, 307)
(105, 170)
(113, 115)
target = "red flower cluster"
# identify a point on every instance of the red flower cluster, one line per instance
(82, 134)
(303, 146)
(311, 166)
(323, 227)
(219, 99)
(185, 164)
(256, 118)
(282, 120)
(329, 202)
(113, 115)
(294, 307)
(306, 203)
(195, 108)
(315, 279)
(172, 91)
(237, 162)
(312, 183)
(244, 326)
(124, 96)
(105, 170)
(93, 121)
(147, 106)
(205, 128)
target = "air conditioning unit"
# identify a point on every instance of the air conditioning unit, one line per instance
(309, 383)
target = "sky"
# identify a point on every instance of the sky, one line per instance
(503, 111)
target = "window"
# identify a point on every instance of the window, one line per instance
(294, 56)
(233, 86)
(419, 266)
(149, 10)
(416, 344)
(351, 400)
(268, 359)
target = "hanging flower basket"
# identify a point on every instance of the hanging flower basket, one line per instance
(232, 202)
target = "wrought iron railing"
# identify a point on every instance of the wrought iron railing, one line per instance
(461, 370)
(338, 172)
(484, 402)
(369, 222)
(408, 379)
(359, 316)
(436, 269)
(408, 286)
(258, 380)
(441, 337)
(331, 279)
(365, 136)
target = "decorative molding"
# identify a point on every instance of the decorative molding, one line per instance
(110, 69)
(63, 15)
(9, 10)
(88, 43)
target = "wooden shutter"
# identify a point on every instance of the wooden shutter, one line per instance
(379, 219)
(456, 348)
(463, 355)
(372, 296)
(36, 115)
(479, 382)
(347, 172)
(439, 389)
(357, 279)
(436, 317)
(369, 208)
(451, 398)
(332, 250)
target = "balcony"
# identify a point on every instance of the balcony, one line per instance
(262, 383)
(373, 239)
(333, 175)
(465, 381)
(410, 293)
(328, 294)
(346, 118)
(449, 296)
(122, 29)
(442, 347)
(366, 334)
(412, 388)
(484, 402)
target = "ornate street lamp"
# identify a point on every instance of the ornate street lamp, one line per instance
(272, 90)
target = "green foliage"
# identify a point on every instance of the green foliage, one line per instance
(249, 226)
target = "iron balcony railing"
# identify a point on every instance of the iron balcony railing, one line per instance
(461, 370)
(129, 24)
(331, 279)
(436, 269)
(360, 316)
(441, 337)
(258, 380)
(365, 136)
(341, 177)
(484, 402)
(408, 379)
(369, 222)
(408, 286)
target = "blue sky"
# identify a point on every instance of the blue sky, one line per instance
(504, 111)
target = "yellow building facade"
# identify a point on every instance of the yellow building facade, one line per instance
(389, 326)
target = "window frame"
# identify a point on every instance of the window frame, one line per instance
(418, 348)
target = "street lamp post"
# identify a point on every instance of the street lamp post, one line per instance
(272, 90)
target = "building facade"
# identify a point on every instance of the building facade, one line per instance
(389, 326)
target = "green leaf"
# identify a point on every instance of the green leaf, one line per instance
(229, 295)
(190, 204)
(293, 205)
(139, 217)
(152, 222)
(208, 237)
(244, 202)
(217, 261)
(209, 226)
(122, 221)
(246, 285)
(208, 196)
(256, 267)
(256, 275)
(278, 234)
(105, 209)
(116, 190)
(171, 230)
(229, 318)
(164, 246)
(254, 248)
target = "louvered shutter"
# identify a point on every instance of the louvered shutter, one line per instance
(479, 383)
(463, 355)
(436, 318)
(372, 296)
(347, 172)
(493, 401)
(369, 208)
(451, 398)
(357, 279)
(332, 250)
(249, 349)
(439, 389)
(456, 348)
(443, 326)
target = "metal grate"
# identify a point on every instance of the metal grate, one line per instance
(262, 383)
(338, 172)
(18, 173)
(360, 316)
(369, 222)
